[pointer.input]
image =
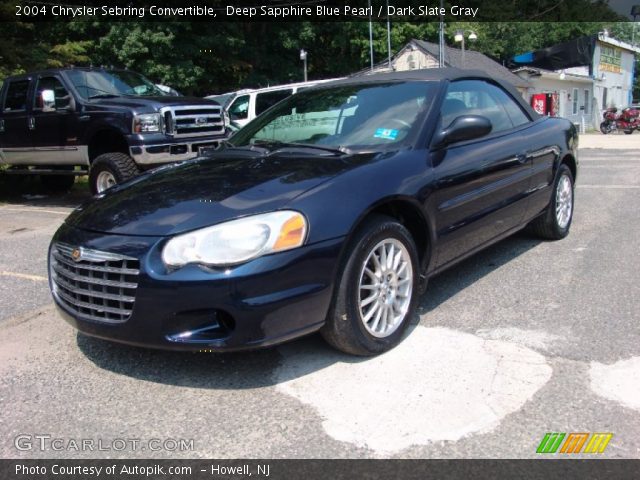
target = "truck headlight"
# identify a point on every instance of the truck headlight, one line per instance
(147, 123)
(237, 241)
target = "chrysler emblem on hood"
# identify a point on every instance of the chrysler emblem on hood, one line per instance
(76, 254)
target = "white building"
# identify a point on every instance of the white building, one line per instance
(581, 93)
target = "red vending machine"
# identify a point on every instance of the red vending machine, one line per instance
(545, 103)
(539, 103)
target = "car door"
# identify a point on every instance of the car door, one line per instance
(15, 133)
(482, 184)
(54, 136)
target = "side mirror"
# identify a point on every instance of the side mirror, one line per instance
(465, 127)
(48, 101)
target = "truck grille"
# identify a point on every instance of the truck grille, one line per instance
(193, 121)
(99, 286)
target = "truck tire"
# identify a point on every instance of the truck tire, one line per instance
(110, 169)
(58, 183)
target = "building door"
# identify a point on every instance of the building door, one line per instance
(562, 107)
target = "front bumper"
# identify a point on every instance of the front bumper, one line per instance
(156, 149)
(266, 301)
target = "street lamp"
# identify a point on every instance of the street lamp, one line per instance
(459, 37)
(303, 57)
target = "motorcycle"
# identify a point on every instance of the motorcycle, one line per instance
(628, 120)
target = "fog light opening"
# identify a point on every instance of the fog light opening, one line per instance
(200, 326)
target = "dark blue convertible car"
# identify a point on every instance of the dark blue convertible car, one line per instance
(328, 212)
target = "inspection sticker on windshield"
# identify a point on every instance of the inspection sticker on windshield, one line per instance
(388, 133)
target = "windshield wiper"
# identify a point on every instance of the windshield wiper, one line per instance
(279, 145)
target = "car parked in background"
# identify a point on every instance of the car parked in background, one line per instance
(244, 105)
(330, 211)
(112, 123)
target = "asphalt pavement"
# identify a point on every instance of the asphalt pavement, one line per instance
(525, 338)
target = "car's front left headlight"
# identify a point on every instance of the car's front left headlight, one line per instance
(237, 241)
(147, 123)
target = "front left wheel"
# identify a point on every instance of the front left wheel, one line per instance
(377, 290)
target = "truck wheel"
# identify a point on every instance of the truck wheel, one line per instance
(109, 169)
(58, 183)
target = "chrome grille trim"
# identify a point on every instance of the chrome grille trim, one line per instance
(78, 303)
(99, 286)
(96, 281)
(82, 291)
(93, 255)
(192, 121)
(95, 268)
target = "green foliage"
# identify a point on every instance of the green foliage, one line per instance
(202, 58)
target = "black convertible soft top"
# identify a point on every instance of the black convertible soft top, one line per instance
(434, 75)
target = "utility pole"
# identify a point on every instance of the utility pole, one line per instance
(303, 57)
(635, 12)
(370, 37)
(441, 38)
(388, 35)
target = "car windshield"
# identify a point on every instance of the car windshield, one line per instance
(345, 116)
(112, 83)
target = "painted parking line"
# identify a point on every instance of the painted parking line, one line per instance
(35, 278)
(33, 210)
(608, 186)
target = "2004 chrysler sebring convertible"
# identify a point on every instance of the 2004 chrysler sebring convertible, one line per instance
(328, 212)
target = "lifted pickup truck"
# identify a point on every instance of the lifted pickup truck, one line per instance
(111, 123)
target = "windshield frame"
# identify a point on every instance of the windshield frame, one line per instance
(80, 87)
(242, 137)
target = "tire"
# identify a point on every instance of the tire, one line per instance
(345, 328)
(119, 166)
(552, 224)
(628, 131)
(604, 128)
(58, 183)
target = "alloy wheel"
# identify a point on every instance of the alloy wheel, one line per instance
(385, 288)
(564, 201)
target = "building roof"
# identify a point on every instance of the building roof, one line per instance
(472, 60)
(618, 43)
(553, 74)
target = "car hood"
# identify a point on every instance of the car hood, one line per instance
(207, 191)
(152, 102)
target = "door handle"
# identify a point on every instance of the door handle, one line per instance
(522, 157)
(32, 123)
(1, 125)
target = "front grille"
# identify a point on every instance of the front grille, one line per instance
(193, 121)
(100, 286)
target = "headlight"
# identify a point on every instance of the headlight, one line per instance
(237, 241)
(147, 123)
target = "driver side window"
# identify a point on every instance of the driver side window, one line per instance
(239, 110)
(62, 97)
(477, 97)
